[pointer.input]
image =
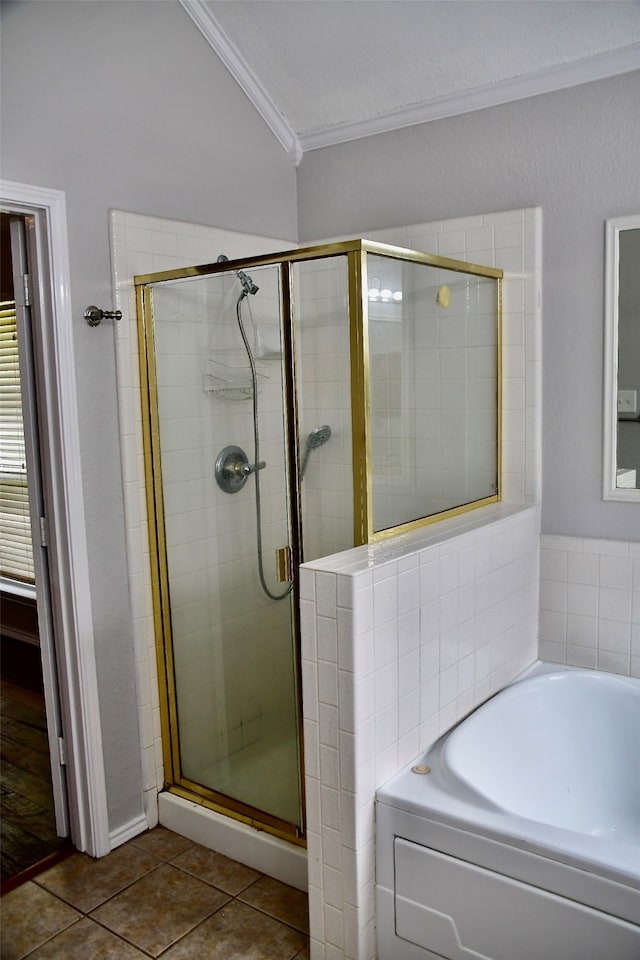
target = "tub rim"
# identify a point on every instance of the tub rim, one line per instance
(428, 797)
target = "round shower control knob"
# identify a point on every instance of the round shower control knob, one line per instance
(233, 468)
(230, 471)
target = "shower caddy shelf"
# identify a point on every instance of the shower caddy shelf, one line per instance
(229, 380)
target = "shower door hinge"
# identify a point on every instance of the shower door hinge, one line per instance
(62, 759)
(284, 564)
(44, 539)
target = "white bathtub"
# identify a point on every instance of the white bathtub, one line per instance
(522, 842)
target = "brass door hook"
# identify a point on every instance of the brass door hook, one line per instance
(94, 315)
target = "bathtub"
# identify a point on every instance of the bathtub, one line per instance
(517, 835)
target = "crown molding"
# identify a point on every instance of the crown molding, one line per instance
(241, 72)
(598, 67)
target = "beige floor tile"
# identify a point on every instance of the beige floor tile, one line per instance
(237, 932)
(87, 940)
(158, 909)
(217, 869)
(162, 843)
(84, 882)
(30, 916)
(280, 901)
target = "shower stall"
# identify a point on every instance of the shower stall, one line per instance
(294, 405)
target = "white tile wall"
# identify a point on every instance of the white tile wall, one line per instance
(590, 603)
(382, 673)
(434, 360)
(511, 240)
(427, 627)
(141, 245)
(324, 397)
(200, 359)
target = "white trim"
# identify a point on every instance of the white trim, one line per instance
(243, 75)
(610, 488)
(128, 831)
(559, 77)
(17, 588)
(598, 67)
(610, 426)
(256, 849)
(76, 650)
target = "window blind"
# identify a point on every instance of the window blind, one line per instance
(16, 553)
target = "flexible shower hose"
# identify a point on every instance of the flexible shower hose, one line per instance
(256, 454)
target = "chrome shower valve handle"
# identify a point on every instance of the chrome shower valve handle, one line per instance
(252, 467)
(233, 468)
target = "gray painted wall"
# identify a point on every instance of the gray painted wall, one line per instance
(123, 105)
(575, 153)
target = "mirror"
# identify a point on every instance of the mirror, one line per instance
(621, 479)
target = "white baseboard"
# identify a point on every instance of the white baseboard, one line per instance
(128, 831)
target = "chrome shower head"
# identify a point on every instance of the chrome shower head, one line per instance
(317, 437)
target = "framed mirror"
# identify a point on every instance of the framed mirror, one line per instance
(621, 475)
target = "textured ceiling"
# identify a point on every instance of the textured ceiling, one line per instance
(327, 66)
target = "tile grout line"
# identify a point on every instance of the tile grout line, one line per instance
(160, 862)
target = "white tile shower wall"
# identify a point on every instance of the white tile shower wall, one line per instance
(200, 362)
(398, 646)
(590, 603)
(146, 244)
(324, 397)
(141, 245)
(400, 640)
(511, 240)
(435, 360)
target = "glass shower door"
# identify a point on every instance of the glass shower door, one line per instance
(220, 473)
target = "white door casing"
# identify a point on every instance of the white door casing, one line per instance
(62, 481)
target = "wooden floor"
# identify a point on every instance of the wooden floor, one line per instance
(27, 824)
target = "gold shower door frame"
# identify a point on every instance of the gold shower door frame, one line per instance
(356, 252)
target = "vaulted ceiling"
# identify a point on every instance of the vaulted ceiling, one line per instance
(326, 71)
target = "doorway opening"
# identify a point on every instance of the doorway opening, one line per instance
(33, 806)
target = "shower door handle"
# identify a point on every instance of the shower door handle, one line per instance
(284, 564)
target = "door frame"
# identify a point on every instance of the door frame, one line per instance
(74, 643)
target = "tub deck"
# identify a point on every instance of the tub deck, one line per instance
(468, 832)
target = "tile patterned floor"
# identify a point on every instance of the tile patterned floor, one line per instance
(160, 895)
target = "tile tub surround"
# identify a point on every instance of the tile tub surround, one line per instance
(375, 697)
(400, 640)
(590, 603)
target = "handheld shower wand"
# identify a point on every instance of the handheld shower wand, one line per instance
(317, 437)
